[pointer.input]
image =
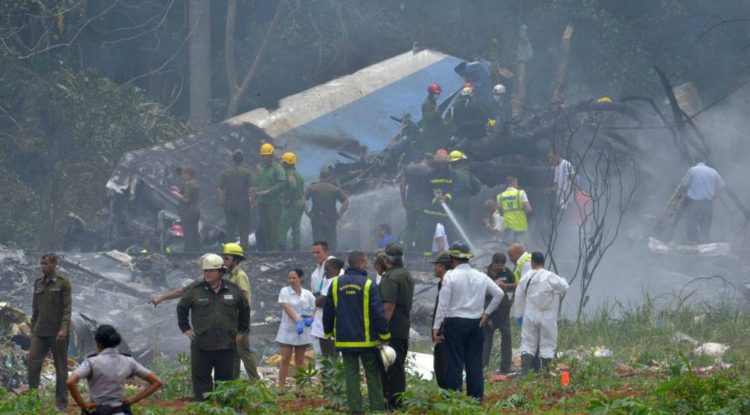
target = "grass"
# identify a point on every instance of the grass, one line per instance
(662, 375)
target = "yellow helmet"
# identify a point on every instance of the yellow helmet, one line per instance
(211, 261)
(266, 149)
(491, 122)
(604, 100)
(456, 155)
(289, 158)
(232, 248)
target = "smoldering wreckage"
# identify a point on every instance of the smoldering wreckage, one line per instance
(362, 126)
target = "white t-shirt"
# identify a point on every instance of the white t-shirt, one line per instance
(439, 232)
(317, 327)
(563, 181)
(302, 305)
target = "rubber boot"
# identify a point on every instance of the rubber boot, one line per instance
(527, 363)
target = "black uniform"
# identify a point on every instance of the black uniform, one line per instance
(216, 319)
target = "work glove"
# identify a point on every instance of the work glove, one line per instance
(300, 327)
(519, 320)
(308, 321)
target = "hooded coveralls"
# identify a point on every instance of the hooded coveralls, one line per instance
(536, 299)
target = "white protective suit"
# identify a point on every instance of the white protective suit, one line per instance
(536, 302)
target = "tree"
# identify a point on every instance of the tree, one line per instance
(199, 54)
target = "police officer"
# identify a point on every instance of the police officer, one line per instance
(106, 372)
(220, 317)
(397, 290)
(353, 315)
(461, 308)
(50, 324)
(441, 265)
(236, 189)
(294, 202)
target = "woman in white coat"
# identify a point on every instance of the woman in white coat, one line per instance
(298, 306)
(536, 304)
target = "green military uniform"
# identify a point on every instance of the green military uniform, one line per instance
(294, 208)
(216, 319)
(190, 215)
(467, 185)
(236, 182)
(323, 214)
(271, 178)
(397, 288)
(245, 354)
(51, 310)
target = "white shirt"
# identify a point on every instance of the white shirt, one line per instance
(563, 181)
(702, 182)
(317, 327)
(302, 305)
(463, 293)
(439, 232)
(317, 276)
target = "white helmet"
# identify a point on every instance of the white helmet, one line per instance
(499, 89)
(211, 261)
(387, 355)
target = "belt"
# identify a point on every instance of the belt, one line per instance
(121, 409)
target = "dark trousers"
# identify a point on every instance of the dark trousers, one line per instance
(238, 225)
(394, 382)
(463, 343)
(506, 350)
(373, 368)
(109, 410)
(40, 346)
(438, 365)
(191, 236)
(410, 230)
(327, 348)
(269, 221)
(290, 219)
(700, 213)
(324, 230)
(221, 362)
(246, 355)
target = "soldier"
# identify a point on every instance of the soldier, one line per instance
(397, 290)
(236, 191)
(294, 202)
(323, 214)
(187, 208)
(50, 324)
(269, 191)
(220, 317)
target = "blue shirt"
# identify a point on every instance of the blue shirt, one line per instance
(703, 182)
(388, 239)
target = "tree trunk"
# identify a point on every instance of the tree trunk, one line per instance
(562, 69)
(234, 102)
(230, 61)
(199, 53)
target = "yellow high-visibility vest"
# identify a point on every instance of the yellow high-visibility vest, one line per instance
(526, 257)
(511, 201)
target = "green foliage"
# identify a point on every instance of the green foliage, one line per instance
(177, 379)
(305, 376)
(425, 397)
(334, 382)
(234, 396)
(23, 404)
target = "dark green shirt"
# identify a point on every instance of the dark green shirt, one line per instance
(324, 196)
(467, 184)
(272, 178)
(504, 309)
(192, 192)
(52, 305)
(236, 182)
(397, 287)
(216, 317)
(294, 194)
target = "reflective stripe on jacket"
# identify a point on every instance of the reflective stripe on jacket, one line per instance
(353, 312)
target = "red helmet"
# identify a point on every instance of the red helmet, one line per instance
(176, 230)
(434, 89)
(468, 85)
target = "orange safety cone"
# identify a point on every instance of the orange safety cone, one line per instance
(565, 379)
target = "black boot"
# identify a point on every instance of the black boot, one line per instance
(527, 363)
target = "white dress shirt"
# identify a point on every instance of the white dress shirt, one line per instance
(463, 293)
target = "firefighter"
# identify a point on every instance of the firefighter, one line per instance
(187, 208)
(294, 202)
(442, 179)
(268, 195)
(466, 186)
(434, 132)
(353, 315)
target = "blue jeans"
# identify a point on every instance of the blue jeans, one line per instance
(463, 342)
